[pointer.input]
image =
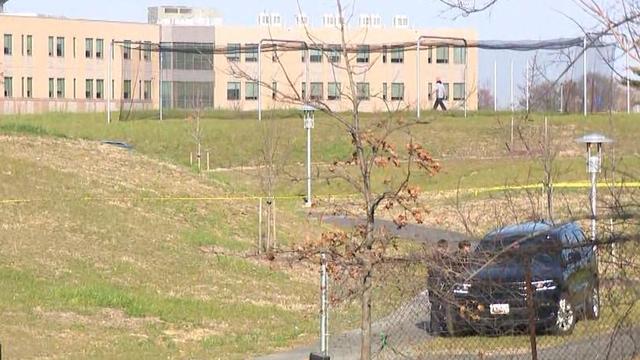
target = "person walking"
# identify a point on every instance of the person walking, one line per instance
(440, 92)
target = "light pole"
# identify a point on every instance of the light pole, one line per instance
(594, 144)
(308, 116)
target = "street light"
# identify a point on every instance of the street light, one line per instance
(594, 144)
(308, 117)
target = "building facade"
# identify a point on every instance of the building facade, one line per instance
(186, 58)
(53, 64)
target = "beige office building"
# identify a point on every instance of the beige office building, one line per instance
(59, 64)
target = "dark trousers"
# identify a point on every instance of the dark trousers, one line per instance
(439, 102)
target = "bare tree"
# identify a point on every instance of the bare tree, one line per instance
(355, 256)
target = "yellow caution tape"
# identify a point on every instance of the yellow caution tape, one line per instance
(475, 191)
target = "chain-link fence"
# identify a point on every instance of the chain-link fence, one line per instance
(462, 297)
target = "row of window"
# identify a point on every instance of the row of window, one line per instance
(57, 87)
(56, 45)
(363, 54)
(334, 91)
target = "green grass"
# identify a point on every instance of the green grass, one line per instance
(234, 139)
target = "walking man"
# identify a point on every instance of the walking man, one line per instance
(440, 96)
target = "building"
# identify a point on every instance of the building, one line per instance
(188, 58)
(54, 64)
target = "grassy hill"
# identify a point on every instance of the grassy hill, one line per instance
(96, 266)
(103, 254)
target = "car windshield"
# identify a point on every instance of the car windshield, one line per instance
(513, 247)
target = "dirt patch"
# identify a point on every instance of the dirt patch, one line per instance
(109, 318)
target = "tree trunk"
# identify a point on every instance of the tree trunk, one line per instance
(365, 326)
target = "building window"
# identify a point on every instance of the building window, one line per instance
(88, 48)
(334, 54)
(430, 91)
(384, 91)
(458, 91)
(251, 54)
(430, 55)
(113, 88)
(397, 91)
(74, 86)
(126, 51)
(304, 55)
(147, 89)
(29, 87)
(74, 48)
(442, 55)
(315, 91)
(52, 90)
(251, 91)
(274, 53)
(304, 90)
(446, 91)
(8, 44)
(315, 56)
(459, 55)
(126, 89)
(233, 90)
(233, 53)
(397, 55)
(8, 87)
(147, 51)
(29, 45)
(274, 90)
(88, 89)
(60, 47)
(99, 88)
(384, 54)
(363, 91)
(99, 48)
(333, 91)
(51, 46)
(363, 54)
(60, 88)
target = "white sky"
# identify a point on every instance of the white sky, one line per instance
(507, 20)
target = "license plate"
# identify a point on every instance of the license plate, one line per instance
(499, 309)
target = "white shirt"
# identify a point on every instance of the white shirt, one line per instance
(440, 91)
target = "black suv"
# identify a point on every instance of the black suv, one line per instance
(491, 293)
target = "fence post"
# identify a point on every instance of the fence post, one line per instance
(260, 226)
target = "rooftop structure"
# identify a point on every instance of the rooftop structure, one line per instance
(183, 16)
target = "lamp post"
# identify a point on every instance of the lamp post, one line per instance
(308, 117)
(594, 144)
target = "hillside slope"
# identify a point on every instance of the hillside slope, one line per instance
(97, 262)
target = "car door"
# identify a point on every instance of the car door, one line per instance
(587, 268)
(570, 266)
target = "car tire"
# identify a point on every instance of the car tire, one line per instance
(592, 305)
(565, 317)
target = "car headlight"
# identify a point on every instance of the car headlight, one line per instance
(543, 285)
(461, 288)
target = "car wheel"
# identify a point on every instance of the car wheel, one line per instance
(592, 310)
(565, 317)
